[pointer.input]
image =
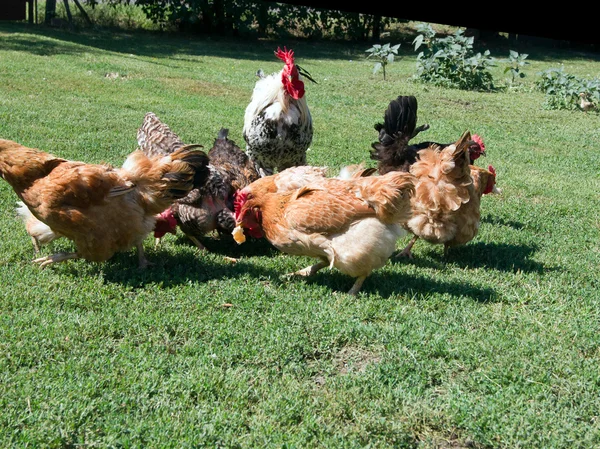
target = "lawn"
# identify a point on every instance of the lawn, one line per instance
(495, 346)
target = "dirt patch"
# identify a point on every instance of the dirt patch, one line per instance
(352, 359)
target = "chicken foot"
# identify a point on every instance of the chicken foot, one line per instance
(55, 258)
(357, 285)
(142, 261)
(406, 251)
(309, 271)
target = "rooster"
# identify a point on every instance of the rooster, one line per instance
(101, 209)
(448, 190)
(209, 207)
(351, 224)
(393, 152)
(277, 123)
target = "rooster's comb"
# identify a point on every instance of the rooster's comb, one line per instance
(478, 140)
(239, 199)
(285, 55)
(492, 170)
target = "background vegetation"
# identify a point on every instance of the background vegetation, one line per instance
(497, 346)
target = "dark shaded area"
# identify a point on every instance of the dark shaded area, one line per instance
(167, 45)
(550, 23)
(492, 256)
(516, 225)
(169, 269)
(386, 285)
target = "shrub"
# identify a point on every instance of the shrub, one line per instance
(514, 63)
(384, 55)
(563, 89)
(451, 61)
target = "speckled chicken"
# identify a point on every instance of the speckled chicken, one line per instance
(277, 123)
(210, 207)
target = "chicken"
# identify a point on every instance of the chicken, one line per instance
(351, 224)
(584, 103)
(102, 209)
(392, 151)
(277, 123)
(448, 190)
(209, 207)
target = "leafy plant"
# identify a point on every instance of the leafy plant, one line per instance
(451, 61)
(515, 62)
(384, 53)
(563, 89)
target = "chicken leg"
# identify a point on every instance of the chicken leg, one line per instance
(55, 258)
(406, 251)
(357, 285)
(309, 271)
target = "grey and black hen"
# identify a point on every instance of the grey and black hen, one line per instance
(209, 207)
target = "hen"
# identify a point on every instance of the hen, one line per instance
(209, 207)
(102, 209)
(277, 123)
(349, 224)
(392, 150)
(448, 190)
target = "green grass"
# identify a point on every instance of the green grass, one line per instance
(495, 347)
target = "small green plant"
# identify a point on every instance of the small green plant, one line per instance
(563, 90)
(385, 55)
(451, 61)
(515, 62)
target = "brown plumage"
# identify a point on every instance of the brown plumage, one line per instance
(350, 224)
(210, 207)
(100, 208)
(446, 203)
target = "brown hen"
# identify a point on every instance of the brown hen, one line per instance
(448, 190)
(102, 209)
(349, 224)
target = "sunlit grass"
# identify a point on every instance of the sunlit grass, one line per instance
(495, 346)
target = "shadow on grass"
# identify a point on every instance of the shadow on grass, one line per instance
(502, 222)
(165, 45)
(183, 266)
(494, 256)
(393, 284)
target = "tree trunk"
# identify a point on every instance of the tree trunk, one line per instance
(50, 11)
(83, 13)
(376, 28)
(69, 15)
(219, 10)
(263, 17)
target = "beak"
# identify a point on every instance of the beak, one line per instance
(305, 74)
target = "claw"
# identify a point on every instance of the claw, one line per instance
(54, 258)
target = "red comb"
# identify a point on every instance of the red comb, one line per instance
(492, 170)
(478, 140)
(285, 55)
(238, 202)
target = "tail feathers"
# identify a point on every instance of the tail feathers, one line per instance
(355, 171)
(223, 133)
(163, 180)
(400, 120)
(389, 195)
(40, 232)
(156, 138)
(392, 150)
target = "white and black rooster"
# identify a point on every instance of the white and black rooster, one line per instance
(277, 123)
